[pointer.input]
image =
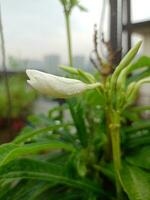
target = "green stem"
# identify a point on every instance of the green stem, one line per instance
(116, 158)
(67, 17)
(116, 152)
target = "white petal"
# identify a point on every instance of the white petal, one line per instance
(57, 86)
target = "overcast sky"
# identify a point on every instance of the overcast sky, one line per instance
(34, 28)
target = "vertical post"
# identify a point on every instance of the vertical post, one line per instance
(5, 69)
(129, 23)
(116, 28)
(113, 24)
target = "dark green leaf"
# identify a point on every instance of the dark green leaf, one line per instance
(32, 169)
(138, 139)
(11, 151)
(135, 182)
(77, 113)
(137, 126)
(140, 158)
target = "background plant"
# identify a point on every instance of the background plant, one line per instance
(22, 97)
(68, 6)
(6, 82)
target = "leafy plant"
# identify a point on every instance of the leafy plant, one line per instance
(93, 153)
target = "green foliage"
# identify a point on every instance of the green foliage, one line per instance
(69, 5)
(142, 62)
(136, 182)
(21, 97)
(140, 158)
(33, 169)
(12, 151)
(92, 153)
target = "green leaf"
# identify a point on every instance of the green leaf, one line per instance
(82, 8)
(77, 113)
(33, 169)
(140, 158)
(69, 70)
(81, 162)
(80, 73)
(73, 2)
(26, 190)
(124, 63)
(143, 61)
(86, 76)
(4, 189)
(139, 125)
(11, 151)
(64, 194)
(137, 135)
(31, 134)
(135, 182)
(139, 109)
(138, 139)
(139, 76)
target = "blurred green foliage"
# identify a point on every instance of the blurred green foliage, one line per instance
(22, 97)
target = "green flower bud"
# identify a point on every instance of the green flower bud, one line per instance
(80, 72)
(68, 69)
(135, 89)
(87, 76)
(124, 63)
(130, 88)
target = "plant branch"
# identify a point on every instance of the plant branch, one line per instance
(67, 18)
(114, 128)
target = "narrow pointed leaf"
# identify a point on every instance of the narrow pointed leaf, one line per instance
(136, 183)
(140, 158)
(11, 151)
(33, 169)
(31, 134)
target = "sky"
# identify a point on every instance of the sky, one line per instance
(35, 28)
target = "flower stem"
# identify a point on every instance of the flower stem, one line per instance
(67, 17)
(114, 128)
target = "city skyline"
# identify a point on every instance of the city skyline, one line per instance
(33, 29)
(49, 63)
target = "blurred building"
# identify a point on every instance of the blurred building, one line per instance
(79, 61)
(32, 64)
(51, 63)
(89, 66)
(18, 64)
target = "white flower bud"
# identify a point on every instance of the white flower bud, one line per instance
(57, 86)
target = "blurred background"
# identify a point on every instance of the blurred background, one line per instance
(35, 37)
